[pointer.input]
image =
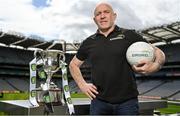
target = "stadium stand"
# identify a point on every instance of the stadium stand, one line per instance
(13, 56)
(149, 85)
(19, 84)
(165, 88)
(5, 86)
(175, 97)
(16, 51)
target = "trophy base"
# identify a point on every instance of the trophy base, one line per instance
(55, 96)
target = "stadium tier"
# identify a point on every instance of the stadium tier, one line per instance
(15, 55)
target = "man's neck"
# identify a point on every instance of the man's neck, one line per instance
(106, 32)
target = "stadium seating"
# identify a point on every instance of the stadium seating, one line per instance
(14, 68)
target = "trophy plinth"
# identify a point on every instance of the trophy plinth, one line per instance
(54, 93)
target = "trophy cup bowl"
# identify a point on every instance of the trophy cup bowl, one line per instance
(51, 59)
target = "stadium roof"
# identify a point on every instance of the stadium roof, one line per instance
(165, 34)
(17, 40)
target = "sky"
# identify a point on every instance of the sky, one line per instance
(72, 20)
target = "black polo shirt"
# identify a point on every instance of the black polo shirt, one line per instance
(111, 73)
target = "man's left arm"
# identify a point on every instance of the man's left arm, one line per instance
(145, 67)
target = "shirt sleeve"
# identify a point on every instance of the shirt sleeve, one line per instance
(135, 37)
(82, 51)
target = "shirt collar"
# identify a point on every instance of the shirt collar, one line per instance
(116, 28)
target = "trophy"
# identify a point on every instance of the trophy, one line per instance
(49, 93)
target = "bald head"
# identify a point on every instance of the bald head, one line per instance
(103, 5)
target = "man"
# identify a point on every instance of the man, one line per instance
(113, 89)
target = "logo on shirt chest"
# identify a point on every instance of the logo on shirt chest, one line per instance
(120, 36)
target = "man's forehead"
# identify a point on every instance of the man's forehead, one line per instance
(103, 6)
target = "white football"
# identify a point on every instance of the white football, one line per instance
(139, 51)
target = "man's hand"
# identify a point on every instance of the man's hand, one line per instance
(89, 89)
(146, 67)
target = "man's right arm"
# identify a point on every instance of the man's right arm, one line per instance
(88, 88)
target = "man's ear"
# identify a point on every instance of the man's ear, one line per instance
(115, 15)
(94, 20)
